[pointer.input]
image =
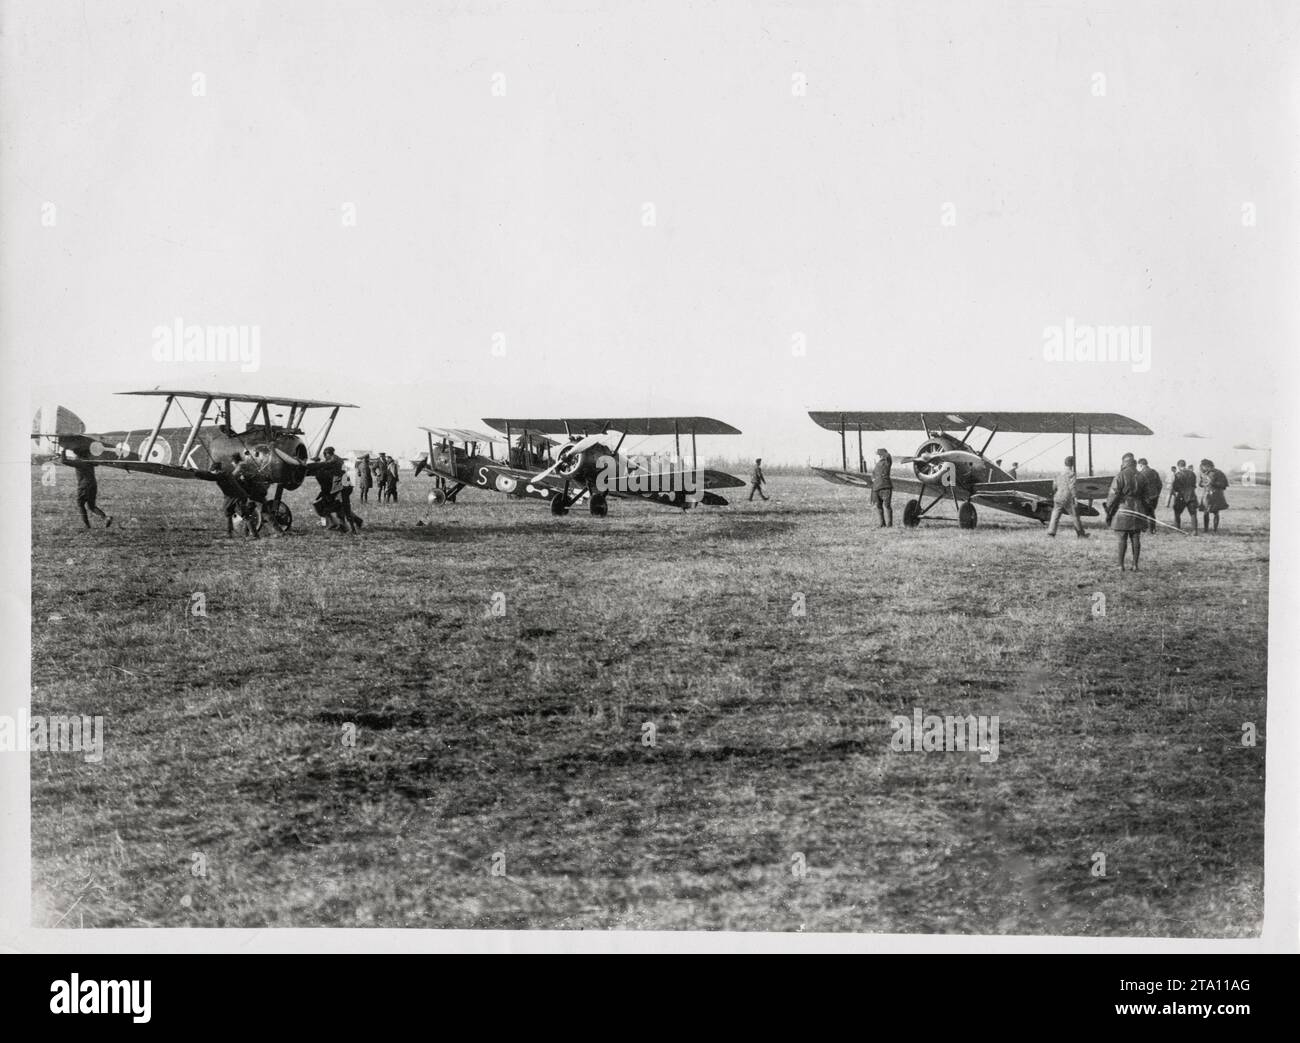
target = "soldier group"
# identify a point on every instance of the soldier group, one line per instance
(1135, 494)
(383, 473)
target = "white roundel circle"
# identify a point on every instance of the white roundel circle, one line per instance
(96, 448)
(506, 484)
(162, 451)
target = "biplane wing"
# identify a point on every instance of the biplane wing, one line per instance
(244, 397)
(862, 480)
(641, 425)
(989, 420)
(460, 434)
(147, 467)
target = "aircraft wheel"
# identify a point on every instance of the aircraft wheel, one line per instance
(599, 505)
(557, 505)
(438, 497)
(912, 514)
(280, 515)
(966, 516)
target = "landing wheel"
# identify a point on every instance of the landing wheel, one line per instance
(557, 505)
(253, 517)
(599, 505)
(912, 514)
(966, 516)
(280, 515)
(438, 497)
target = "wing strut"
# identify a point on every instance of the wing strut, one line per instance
(862, 460)
(844, 446)
(153, 435)
(319, 444)
(194, 431)
(990, 439)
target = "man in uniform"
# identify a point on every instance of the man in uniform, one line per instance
(87, 492)
(328, 503)
(1126, 511)
(1184, 493)
(1212, 484)
(364, 480)
(756, 480)
(238, 499)
(394, 474)
(1152, 483)
(882, 488)
(1063, 500)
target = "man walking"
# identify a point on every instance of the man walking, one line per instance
(87, 493)
(756, 480)
(1125, 510)
(1063, 500)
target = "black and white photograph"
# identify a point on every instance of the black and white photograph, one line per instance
(625, 476)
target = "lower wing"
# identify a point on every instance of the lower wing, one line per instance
(146, 467)
(863, 481)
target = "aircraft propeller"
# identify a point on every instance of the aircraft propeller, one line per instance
(568, 451)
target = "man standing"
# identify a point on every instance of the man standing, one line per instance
(756, 480)
(882, 488)
(363, 477)
(394, 473)
(1125, 510)
(1151, 486)
(1012, 473)
(1212, 484)
(87, 492)
(1063, 500)
(1183, 488)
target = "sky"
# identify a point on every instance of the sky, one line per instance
(442, 212)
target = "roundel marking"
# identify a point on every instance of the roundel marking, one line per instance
(162, 451)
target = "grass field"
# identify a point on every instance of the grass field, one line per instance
(351, 737)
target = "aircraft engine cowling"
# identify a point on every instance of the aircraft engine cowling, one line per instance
(939, 463)
(929, 470)
(581, 464)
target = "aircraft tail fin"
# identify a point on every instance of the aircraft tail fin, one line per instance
(51, 421)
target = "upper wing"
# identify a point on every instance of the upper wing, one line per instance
(635, 425)
(460, 434)
(243, 396)
(1014, 423)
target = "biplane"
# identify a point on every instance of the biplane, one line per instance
(586, 466)
(948, 467)
(271, 448)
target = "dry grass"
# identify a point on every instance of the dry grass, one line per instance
(521, 736)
